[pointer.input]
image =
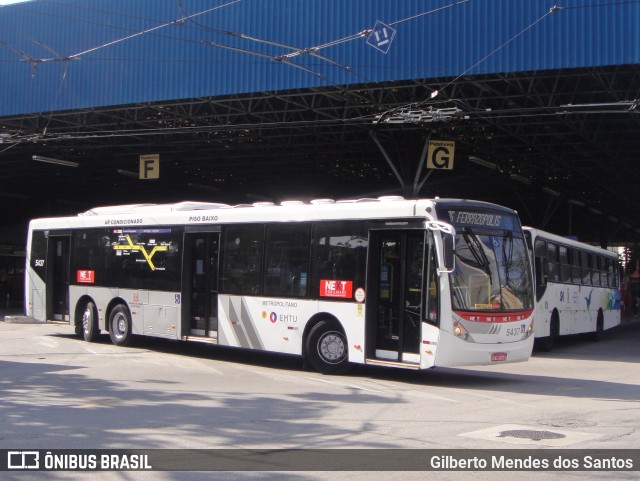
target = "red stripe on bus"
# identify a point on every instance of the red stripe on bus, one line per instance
(494, 316)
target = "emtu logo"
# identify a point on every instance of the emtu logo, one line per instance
(273, 316)
(23, 460)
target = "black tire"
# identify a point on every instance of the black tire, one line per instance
(545, 344)
(327, 348)
(120, 326)
(597, 334)
(88, 326)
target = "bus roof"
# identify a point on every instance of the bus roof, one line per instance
(535, 232)
(193, 212)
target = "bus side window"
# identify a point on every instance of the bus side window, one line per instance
(339, 253)
(552, 262)
(242, 259)
(287, 260)
(565, 268)
(540, 262)
(586, 264)
(595, 272)
(576, 274)
(541, 278)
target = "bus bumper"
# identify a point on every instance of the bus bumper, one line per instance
(453, 351)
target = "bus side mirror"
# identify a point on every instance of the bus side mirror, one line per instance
(447, 252)
(446, 257)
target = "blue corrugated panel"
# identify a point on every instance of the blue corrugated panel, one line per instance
(473, 37)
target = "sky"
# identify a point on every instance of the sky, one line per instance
(9, 2)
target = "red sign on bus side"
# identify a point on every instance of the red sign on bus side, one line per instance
(86, 277)
(335, 288)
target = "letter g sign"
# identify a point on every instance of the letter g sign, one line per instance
(440, 154)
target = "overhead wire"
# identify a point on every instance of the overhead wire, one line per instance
(135, 32)
(553, 9)
(143, 32)
(363, 120)
(85, 20)
(413, 17)
(283, 58)
(59, 58)
(312, 51)
(435, 93)
(184, 17)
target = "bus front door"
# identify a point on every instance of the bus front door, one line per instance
(396, 304)
(200, 283)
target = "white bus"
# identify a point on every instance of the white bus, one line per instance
(577, 288)
(369, 281)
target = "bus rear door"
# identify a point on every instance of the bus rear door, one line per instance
(200, 284)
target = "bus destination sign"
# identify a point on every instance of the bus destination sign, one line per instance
(478, 218)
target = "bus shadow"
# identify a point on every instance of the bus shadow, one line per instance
(61, 406)
(617, 345)
(201, 350)
(497, 382)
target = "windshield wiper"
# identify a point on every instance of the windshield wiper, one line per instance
(508, 235)
(476, 248)
(508, 259)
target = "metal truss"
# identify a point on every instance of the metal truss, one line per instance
(550, 137)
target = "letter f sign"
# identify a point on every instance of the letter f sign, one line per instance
(150, 166)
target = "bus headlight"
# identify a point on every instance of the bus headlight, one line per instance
(460, 331)
(530, 329)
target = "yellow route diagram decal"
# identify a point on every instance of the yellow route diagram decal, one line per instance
(130, 246)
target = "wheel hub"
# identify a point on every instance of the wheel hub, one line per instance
(85, 319)
(332, 347)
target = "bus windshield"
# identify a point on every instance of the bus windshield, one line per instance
(491, 272)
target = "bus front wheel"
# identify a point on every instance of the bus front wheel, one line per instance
(327, 348)
(88, 326)
(120, 326)
(546, 344)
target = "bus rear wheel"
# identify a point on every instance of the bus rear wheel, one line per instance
(120, 326)
(597, 334)
(327, 348)
(88, 326)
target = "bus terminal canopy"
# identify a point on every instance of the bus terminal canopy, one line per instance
(244, 100)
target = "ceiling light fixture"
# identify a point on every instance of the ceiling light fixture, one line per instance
(128, 173)
(521, 179)
(551, 192)
(49, 160)
(210, 188)
(484, 163)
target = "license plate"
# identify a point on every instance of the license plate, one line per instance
(498, 356)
